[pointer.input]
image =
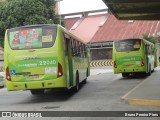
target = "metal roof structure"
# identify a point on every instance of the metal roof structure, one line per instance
(134, 9)
(114, 29)
(91, 29)
(70, 22)
(88, 26)
(84, 13)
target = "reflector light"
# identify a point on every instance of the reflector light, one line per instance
(115, 65)
(60, 70)
(8, 77)
(142, 62)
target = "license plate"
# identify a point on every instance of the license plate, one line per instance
(138, 62)
(50, 70)
(33, 76)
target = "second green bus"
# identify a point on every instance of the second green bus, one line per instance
(131, 56)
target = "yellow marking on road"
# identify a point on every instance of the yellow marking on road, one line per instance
(144, 102)
(125, 95)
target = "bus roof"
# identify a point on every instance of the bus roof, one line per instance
(64, 30)
(36, 25)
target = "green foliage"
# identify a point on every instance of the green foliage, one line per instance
(14, 13)
(150, 39)
(1, 41)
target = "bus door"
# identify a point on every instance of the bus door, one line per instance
(70, 62)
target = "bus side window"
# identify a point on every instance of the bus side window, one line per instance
(77, 49)
(65, 44)
(85, 51)
(83, 54)
(81, 50)
(73, 47)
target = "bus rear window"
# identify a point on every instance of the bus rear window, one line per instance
(32, 37)
(128, 45)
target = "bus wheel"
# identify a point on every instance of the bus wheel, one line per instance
(85, 80)
(76, 88)
(37, 91)
(125, 74)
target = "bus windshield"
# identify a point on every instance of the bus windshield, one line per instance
(32, 37)
(128, 45)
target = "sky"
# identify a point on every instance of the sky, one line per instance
(72, 6)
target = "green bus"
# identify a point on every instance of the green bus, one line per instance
(45, 56)
(131, 56)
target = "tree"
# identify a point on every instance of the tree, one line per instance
(14, 13)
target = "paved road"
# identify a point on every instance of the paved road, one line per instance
(102, 92)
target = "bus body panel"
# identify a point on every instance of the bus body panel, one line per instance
(24, 66)
(39, 68)
(35, 68)
(129, 62)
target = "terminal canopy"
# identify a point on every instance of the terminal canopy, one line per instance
(134, 9)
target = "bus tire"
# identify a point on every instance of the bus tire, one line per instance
(85, 80)
(37, 91)
(125, 74)
(76, 88)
